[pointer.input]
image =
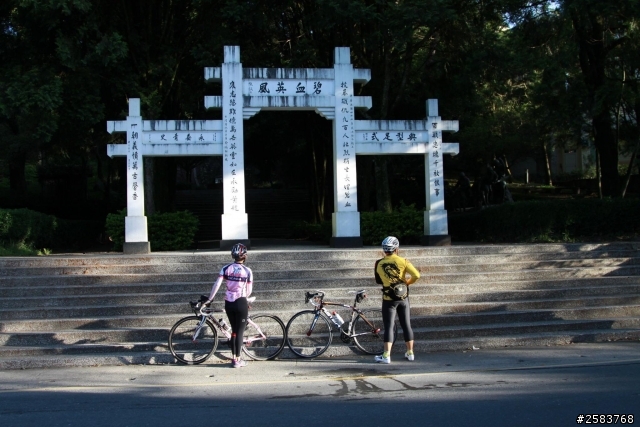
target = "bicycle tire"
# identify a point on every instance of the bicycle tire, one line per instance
(304, 343)
(371, 342)
(261, 348)
(184, 348)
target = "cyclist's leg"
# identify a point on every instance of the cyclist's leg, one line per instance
(388, 317)
(231, 314)
(404, 316)
(237, 312)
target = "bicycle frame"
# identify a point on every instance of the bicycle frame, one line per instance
(208, 313)
(318, 302)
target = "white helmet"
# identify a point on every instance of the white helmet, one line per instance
(390, 244)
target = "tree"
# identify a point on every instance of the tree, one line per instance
(601, 29)
(49, 96)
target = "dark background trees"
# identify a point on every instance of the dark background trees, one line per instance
(519, 75)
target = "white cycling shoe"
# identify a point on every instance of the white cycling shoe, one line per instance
(382, 359)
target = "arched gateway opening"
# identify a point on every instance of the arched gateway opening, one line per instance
(288, 178)
(245, 92)
(288, 159)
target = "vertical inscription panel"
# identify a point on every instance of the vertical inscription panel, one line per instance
(346, 195)
(232, 138)
(434, 164)
(135, 167)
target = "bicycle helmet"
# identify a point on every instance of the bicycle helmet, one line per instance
(390, 244)
(239, 251)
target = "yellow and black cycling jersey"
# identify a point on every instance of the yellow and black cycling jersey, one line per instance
(392, 270)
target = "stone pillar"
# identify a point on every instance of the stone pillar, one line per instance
(346, 218)
(436, 229)
(136, 240)
(234, 219)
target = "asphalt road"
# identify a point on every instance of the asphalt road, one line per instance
(548, 386)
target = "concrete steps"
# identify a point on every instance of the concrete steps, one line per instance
(117, 309)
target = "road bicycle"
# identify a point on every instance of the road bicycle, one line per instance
(193, 339)
(309, 332)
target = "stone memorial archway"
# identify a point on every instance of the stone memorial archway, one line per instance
(245, 92)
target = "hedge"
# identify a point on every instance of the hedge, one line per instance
(40, 231)
(549, 221)
(171, 231)
(520, 222)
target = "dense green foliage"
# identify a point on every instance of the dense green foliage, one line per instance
(20, 249)
(406, 223)
(24, 232)
(539, 221)
(549, 221)
(30, 230)
(521, 77)
(171, 231)
(22, 226)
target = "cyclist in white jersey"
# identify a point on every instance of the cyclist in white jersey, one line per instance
(239, 282)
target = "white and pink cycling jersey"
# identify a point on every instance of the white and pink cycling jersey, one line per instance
(239, 280)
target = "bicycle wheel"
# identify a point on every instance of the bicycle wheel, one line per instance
(308, 336)
(365, 337)
(188, 350)
(264, 337)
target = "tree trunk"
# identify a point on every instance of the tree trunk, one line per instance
(630, 168)
(366, 183)
(17, 179)
(547, 164)
(381, 173)
(593, 52)
(608, 149)
(318, 179)
(319, 171)
(383, 193)
(164, 188)
(598, 174)
(635, 152)
(149, 205)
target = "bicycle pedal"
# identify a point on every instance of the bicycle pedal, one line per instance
(344, 337)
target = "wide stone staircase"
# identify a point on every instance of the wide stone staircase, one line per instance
(109, 309)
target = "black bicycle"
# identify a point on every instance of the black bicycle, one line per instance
(193, 339)
(309, 332)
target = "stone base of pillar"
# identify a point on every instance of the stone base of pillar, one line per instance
(346, 242)
(226, 245)
(436, 240)
(136, 248)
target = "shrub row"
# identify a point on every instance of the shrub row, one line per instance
(24, 227)
(520, 222)
(406, 223)
(171, 231)
(549, 221)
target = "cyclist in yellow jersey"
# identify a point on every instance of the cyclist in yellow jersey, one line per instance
(391, 271)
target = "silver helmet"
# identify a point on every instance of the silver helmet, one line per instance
(390, 244)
